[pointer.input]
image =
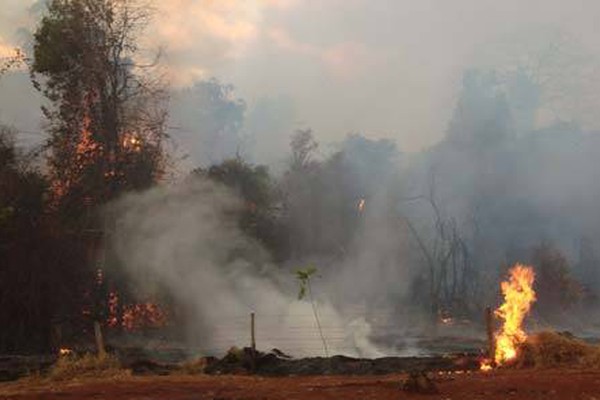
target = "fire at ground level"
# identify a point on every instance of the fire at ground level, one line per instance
(513, 384)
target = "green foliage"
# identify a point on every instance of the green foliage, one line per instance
(54, 44)
(251, 183)
(255, 188)
(303, 276)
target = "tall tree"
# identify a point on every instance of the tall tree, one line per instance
(106, 114)
(105, 111)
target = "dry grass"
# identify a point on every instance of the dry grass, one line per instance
(87, 366)
(193, 367)
(553, 349)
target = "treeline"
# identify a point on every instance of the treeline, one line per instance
(106, 116)
(434, 230)
(105, 124)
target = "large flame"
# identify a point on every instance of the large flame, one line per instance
(518, 296)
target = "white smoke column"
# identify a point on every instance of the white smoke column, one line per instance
(187, 238)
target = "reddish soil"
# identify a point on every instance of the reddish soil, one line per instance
(523, 384)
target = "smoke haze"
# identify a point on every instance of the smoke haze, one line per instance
(386, 68)
(185, 239)
(455, 138)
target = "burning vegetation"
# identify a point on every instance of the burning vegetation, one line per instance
(519, 295)
(105, 151)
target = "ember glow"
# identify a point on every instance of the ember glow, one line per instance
(142, 316)
(87, 149)
(63, 352)
(486, 366)
(132, 142)
(361, 205)
(113, 309)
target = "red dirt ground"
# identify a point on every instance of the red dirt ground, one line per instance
(523, 384)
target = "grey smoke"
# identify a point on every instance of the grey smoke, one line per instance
(185, 239)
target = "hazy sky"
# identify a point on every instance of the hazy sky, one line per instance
(382, 67)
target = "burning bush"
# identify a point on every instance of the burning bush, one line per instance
(518, 296)
(142, 316)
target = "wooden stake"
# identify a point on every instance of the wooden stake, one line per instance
(99, 339)
(489, 324)
(252, 342)
(252, 334)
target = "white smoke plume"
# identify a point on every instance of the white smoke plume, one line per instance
(186, 238)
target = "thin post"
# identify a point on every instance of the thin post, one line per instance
(252, 333)
(489, 324)
(252, 342)
(99, 339)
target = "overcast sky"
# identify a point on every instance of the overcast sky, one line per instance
(382, 67)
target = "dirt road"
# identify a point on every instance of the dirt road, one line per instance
(524, 384)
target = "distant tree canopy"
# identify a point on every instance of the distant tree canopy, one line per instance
(251, 183)
(322, 197)
(482, 115)
(258, 192)
(213, 118)
(557, 291)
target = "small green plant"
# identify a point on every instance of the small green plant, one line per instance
(304, 276)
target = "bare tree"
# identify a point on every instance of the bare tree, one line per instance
(447, 258)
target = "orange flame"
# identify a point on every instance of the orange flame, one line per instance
(113, 309)
(361, 205)
(65, 352)
(486, 366)
(518, 297)
(132, 142)
(85, 150)
(142, 316)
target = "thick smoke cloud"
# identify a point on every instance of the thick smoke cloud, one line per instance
(386, 68)
(185, 239)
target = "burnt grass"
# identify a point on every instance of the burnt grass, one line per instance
(275, 363)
